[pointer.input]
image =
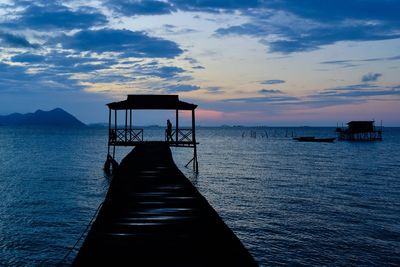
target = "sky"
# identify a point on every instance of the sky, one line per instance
(244, 62)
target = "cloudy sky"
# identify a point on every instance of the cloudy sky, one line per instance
(250, 62)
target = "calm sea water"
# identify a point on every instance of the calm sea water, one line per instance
(289, 202)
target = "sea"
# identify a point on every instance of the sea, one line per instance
(290, 203)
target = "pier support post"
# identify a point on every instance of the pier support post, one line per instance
(195, 163)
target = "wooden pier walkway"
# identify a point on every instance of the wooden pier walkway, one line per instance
(154, 216)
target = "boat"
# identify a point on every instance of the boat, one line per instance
(313, 139)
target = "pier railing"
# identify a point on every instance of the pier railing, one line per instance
(123, 135)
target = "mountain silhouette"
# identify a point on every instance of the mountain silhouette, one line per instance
(55, 117)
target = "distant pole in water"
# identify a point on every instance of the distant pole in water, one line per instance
(266, 133)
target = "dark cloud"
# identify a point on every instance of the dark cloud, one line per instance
(358, 91)
(171, 29)
(264, 99)
(295, 39)
(371, 77)
(140, 7)
(270, 91)
(272, 82)
(181, 88)
(346, 63)
(214, 5)
(28, 58)
(128, 43)
(299, 26)
(338, 62)
(55, 16)
(166, 72)
(111, 78)
(341, 63)
(214, 90)
(16, 79)
(338, 10)
(16, 41)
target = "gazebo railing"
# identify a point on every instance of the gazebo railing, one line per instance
(125, 135)
(184, 135)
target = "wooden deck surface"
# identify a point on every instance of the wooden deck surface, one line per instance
(154, 216)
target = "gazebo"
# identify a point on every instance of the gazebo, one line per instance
(125, 135)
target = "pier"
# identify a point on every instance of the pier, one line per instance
(154, 216)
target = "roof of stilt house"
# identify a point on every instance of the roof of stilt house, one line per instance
(152, 102)
(361, 126)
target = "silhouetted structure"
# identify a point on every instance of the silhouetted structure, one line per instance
(360, 131)
(313, 139)
(128, 136)
(154, 216)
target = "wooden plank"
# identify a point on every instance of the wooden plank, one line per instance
(154, 216)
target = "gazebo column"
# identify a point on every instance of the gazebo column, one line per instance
(195, 163)
(109, 130)
(177, 126)
(115, 128)
(130, 124)
(126, 125)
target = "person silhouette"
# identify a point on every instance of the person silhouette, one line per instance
(169, 131)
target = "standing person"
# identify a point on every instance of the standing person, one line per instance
(169, 131)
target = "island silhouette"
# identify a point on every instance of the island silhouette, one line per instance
(55, 117)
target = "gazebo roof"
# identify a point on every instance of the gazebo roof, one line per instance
(152, 102)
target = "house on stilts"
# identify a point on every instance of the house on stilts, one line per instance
(360, 131)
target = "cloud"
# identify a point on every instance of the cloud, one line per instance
(174, 30)
(264, 99)
(270, 91)
(300, 26)
(16, 41)
(371, 77)
(214, 90)
(328, 11)
(166, 72)
(272, 82)
(16, 79)
(337, 96)
(181, 88)
(64, 62)
(140, 7)
(128, 43)
(345, 63)
(54, 16)
(351, 61)
(28, 58)
(359, 91)
(214, 5)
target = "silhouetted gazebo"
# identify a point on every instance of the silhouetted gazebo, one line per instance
(128, 136)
